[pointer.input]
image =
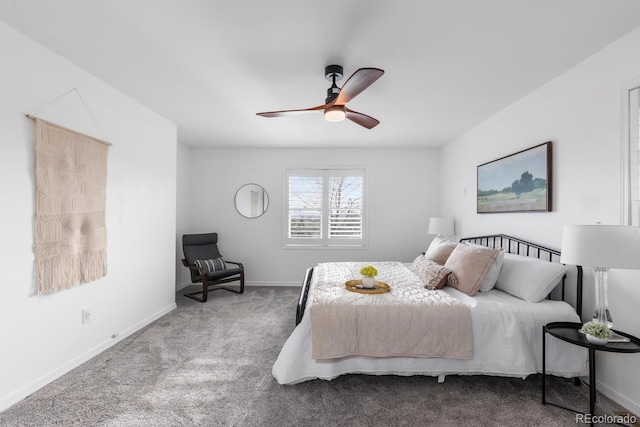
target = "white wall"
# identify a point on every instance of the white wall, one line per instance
(580, 112)
(183, 209)
(402, 185)
(41, 336)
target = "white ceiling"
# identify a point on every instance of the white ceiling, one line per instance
(210, 65)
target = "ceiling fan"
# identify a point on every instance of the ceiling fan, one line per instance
(334, 108)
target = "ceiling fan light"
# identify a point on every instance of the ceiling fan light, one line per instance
(335, 113)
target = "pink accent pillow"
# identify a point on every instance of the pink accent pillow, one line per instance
(439, 250)
(432, 274)
(470, 264)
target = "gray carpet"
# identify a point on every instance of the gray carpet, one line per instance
(210, 365)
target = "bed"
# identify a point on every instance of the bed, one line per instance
(506, 319)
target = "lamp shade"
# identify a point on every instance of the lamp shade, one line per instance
(607, 246)
(441, 226)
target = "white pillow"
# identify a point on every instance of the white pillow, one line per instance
(491, 278)
(527, 278)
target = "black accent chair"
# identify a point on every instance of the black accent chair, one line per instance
(200, 247)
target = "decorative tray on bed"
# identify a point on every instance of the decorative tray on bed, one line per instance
(356, 286)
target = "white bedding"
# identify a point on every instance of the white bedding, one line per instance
(409, 321)
(507, 341)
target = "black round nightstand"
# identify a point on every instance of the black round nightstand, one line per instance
(569, 332)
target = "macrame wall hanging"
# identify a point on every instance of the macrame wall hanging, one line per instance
(70, 229)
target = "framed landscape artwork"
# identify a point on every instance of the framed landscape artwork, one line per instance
(520, 182)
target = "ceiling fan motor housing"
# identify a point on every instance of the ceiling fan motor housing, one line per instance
(333, 73)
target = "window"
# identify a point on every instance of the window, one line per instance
(631, 160)
(325, 208)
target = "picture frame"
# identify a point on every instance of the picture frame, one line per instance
(519, 182)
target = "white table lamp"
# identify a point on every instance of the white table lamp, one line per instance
(601, 247)
(441, 226)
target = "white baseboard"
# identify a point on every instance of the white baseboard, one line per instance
(633, 407)
(181, 286)
(36, 385)
(276, 284)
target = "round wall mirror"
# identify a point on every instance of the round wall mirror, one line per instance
(251, 200)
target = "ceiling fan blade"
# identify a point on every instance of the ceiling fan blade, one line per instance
(282, 113)
(359, 81)
(361, 119)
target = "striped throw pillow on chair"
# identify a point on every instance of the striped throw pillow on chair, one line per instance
(211, 265)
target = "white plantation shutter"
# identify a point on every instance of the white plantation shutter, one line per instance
(305, 207)
(325, 208)
(631, 161)
(345, 206)
(634, 142)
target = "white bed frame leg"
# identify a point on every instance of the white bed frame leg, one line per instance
(441, 378)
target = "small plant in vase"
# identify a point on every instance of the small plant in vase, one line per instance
(369, 273)
(596, 333)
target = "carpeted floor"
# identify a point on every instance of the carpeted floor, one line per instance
(210, 365)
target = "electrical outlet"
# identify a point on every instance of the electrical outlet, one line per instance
(86, 315)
